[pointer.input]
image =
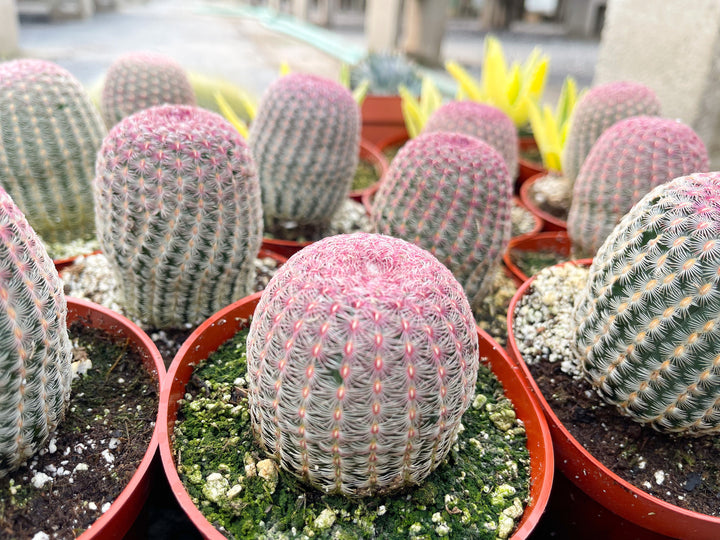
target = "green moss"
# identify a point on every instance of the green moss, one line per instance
(472, 495)
(365, 175)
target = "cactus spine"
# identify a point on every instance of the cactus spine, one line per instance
(599, 109)
(35, 351)
(178, 213)
(139, 80)
(362, 358)
(628, 160)
(49, 135)
(647, 326)
(485, 122)
(451, 194)
(305, 140)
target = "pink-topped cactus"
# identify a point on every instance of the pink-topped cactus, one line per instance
(597, 110)
(35, 351)
(628, 160)
(485, 122)
(451, 194)
(362, 358)
(139, 80)
(178, 213)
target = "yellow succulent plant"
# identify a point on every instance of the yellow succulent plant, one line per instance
(416, 111)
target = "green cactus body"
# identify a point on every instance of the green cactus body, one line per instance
(49, 135)
(599, 109)
(177, 205)
(385, 73)
(139, 80)
(362, 358)
(648, 321)
(451, 194)
(482, 121)
(35, 351)
(628, 160)
(305, 140)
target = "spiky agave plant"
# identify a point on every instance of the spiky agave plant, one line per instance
(362, 358)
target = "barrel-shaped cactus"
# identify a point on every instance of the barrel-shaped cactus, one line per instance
(49, 135)
(648, 330)
(35, 351)
(485, 122)
(451, 194)
(628, 160)
(362, 358)
(139, 80)
(177, 205)
(599, 109)
(305, 140)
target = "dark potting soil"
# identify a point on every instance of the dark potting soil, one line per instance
(684, 471)
(95, 450)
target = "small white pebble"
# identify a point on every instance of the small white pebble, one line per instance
(659, 477)
(105, 507)
(52, 446)
(107, 455)
(92, 506)
(41, 536)
(40, 480)
(113, 444)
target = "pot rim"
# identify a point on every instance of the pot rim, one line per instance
(529, 242)
(551, 222)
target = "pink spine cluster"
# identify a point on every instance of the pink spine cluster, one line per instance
(362, 358)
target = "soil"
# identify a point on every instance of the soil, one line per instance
(679, 470)
(96, 449)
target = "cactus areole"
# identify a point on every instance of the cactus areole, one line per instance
(35, 351)
(648, 322)
(362, 358)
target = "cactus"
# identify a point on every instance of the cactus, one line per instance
(485, 122)
(599, 109)
(35, 351)
(628, 160)
(177, 205)
(362, 358)
(647, 329)
(139, 80)
(305, 141)
(451, 194)
(49, 135)
(385, 73)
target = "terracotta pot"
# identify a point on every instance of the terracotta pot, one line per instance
(382, 118)
(125, 509)
(619, 501)
(527, 168)
(223, 326)
(556, 241)
(538, 222)
(551, 223)
(67, 261)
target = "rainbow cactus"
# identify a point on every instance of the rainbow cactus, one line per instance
(485, 122)
(628, 160)
(648, 330)
(139, 80)
(49, 135)
(362, 358)
(451, 194)
(305, 140)
(177, 205)
(35, 351)
(599, 109)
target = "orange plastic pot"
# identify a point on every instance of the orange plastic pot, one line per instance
(223, 326)
(125, 509)
(382, 118)
(67, 261)
(527, 168)
(621, 504)
(538, 222)
(555, 241)
(551, 223)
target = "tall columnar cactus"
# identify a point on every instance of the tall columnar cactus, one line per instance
(599, 109)
(485, 122)
(305, 140)
(648, 329)
(49, 135)
(139, 80)
(177, 205)
(628, 160)
(35, 351)
(362, 358)
(451, 194)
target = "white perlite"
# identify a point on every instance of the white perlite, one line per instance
(542, 322)
(40, 480)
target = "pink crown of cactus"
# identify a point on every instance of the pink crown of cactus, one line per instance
(362, 358)
(177, 206)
